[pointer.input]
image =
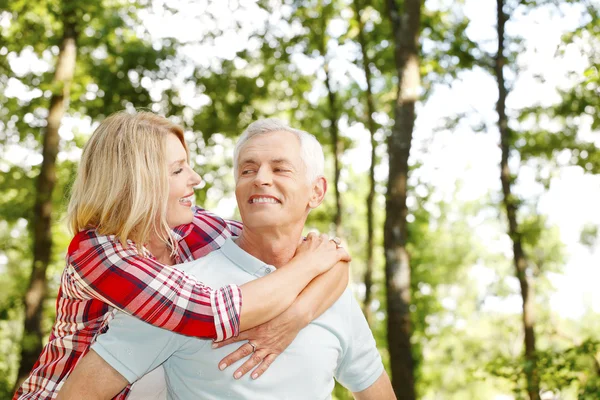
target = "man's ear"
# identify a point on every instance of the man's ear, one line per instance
(319, 189)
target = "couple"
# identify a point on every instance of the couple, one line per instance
(278, 174)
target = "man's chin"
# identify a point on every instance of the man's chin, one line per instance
(263, 221)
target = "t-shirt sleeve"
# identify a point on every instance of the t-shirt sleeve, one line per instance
(134, 348)
(361, 363)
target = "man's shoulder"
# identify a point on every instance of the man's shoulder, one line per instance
(202, 263)
(345, 303)
(341, 312)
(129, 329)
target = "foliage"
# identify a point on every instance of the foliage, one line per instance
(464, 347)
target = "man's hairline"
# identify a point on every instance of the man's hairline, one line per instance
(298, 138)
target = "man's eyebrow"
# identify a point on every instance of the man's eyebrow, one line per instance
(283, 161)
(248, 161)
(278, 161)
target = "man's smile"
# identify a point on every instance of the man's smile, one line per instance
(263, 199)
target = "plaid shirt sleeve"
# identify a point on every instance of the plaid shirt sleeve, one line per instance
(206, 233)
(157, 294)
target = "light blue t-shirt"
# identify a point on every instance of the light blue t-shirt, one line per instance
(337, 344)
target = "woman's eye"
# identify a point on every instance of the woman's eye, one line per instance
(180, 170)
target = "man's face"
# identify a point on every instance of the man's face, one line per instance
(272, 189)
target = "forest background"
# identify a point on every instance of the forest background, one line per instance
(461, 143)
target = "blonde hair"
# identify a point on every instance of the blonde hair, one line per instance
(122, 184)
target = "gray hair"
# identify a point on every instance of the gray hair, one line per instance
(311, 151)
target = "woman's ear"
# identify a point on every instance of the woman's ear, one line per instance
(319, 188)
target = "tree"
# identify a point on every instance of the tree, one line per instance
(31, 342)
(405, 29)
(511, 207)
(371, 126)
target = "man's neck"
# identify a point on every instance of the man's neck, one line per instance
(274, 247)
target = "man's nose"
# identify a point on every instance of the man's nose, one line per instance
(263, 177)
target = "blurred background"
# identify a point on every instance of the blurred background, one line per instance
(461, 143)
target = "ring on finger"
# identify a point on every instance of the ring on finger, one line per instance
(253, 346)
(337, 241)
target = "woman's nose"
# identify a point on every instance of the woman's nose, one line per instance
(195, 179)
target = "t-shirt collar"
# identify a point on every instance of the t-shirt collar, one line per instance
(239, 257)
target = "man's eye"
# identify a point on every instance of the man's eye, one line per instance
(246, 171)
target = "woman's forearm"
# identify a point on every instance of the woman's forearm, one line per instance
(267, 297)
(321, 293)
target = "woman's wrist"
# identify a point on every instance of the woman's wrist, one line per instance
(302, 312)
(305, 265)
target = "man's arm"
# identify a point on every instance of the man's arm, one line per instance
(361, 369)
(127, 351)
(92, 379)
(380, 390)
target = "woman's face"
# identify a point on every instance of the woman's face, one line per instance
(182, 180)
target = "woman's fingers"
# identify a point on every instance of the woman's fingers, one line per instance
(250, 363)
(260, 357)
(243, 351)
(343, 254)
(264, 365)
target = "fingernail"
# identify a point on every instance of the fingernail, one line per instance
(237, 375)
(254, 376)
(222, 366)
(214, 345)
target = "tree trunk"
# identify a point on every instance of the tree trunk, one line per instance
(31, 343)
(510, 205)
(405, 30)
(336, 144)
(366, 64)
(337, 148)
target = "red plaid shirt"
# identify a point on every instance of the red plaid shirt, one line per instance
(102, 275)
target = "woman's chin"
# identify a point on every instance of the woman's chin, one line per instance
(181, 219)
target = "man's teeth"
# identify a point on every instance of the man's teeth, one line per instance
(264, 200)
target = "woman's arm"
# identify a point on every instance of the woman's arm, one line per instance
(261, 290)
(166, 297)
(206, 233)
(274, 336)
(321, 293)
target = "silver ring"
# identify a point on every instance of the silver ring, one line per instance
(253, 346)
(337, 241)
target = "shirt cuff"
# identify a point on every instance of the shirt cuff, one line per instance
(226, 304)
(368, 379)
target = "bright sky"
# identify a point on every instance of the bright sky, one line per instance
(464, 155)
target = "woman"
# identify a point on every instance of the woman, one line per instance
(131, 210)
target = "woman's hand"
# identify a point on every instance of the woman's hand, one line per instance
(270, 340)
(321, 252)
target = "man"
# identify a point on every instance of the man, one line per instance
(279, 179)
